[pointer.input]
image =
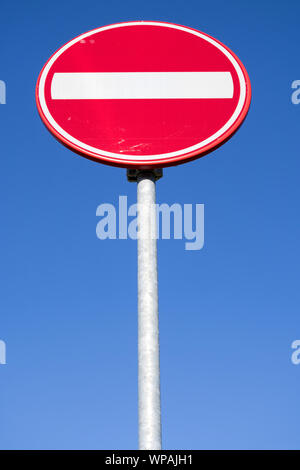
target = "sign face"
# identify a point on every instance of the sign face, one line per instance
(143, 94)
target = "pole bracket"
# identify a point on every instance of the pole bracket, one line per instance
(132, 174)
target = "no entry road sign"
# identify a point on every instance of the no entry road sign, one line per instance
(143, 94)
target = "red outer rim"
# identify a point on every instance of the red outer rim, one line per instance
(164, 162)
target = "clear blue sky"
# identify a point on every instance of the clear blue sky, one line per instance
(228, 313)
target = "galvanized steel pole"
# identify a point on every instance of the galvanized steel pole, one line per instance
(148, 329)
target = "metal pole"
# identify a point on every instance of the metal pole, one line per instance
(148, 330)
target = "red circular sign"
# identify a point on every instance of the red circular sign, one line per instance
(143, 94)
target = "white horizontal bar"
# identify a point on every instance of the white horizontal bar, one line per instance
(141, 85)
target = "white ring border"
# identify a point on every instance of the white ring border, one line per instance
(143, 158)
